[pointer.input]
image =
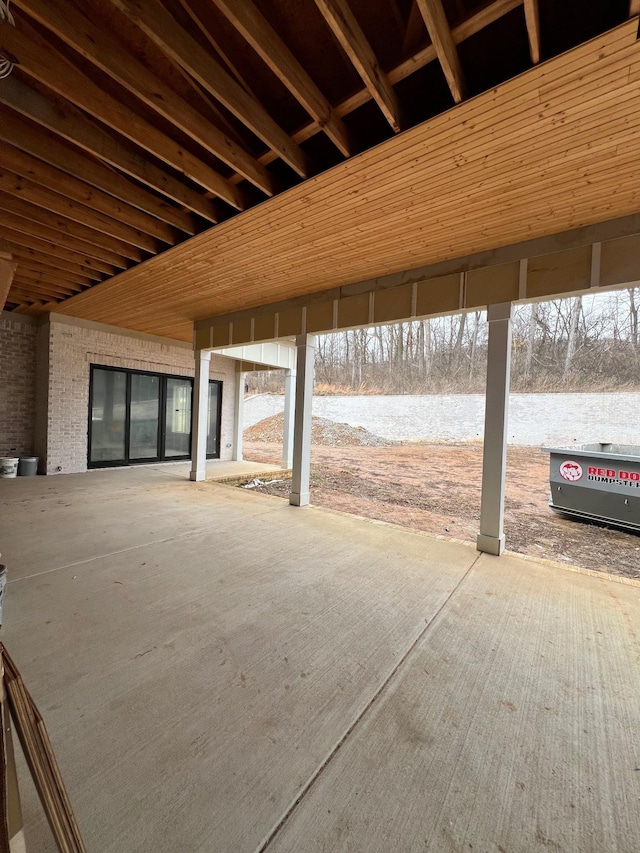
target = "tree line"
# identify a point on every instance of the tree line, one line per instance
(584, 343)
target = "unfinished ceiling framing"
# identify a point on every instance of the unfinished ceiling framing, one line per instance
(166, 161)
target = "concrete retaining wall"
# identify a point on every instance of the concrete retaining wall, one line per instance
(534, 419)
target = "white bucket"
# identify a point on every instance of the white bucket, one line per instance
(8, 467)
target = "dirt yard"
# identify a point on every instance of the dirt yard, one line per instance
(436, 488)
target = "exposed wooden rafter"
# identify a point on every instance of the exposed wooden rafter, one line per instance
(440, 33)
(255, 28)
(38, 269)
(42, 248)
(72, 124)
(72, 188)
(165, 31)
(21, 222)
(348, 32)
(37, 214)
(32, 192)
(129, 127)
(521, 170)
(414, 30)
(105, 51)
(470, 27)
(68, 81)
(532, 16)
(48, 282)
(54, 262)
(46, 146)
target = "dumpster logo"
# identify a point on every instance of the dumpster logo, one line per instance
(570, 470)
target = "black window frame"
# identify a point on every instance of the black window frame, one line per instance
(162, 403)
(216, 453)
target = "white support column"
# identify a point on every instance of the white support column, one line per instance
(200, 416)
(289, 418)
(238, 424)
(305, 353)
(491, 536)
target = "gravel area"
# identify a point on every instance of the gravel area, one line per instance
(323, 431)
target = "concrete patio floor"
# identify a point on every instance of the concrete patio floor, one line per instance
(222, 672)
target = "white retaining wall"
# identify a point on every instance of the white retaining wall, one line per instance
(534, 419)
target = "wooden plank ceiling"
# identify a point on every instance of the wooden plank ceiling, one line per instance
(164, 160)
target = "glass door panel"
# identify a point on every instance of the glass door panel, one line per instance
(108, 416)
(144, 416)
(213, 428)
(177, 435)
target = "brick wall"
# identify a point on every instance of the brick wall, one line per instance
(18, 336)
(73, 346)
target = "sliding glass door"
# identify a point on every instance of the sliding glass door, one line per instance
(145, 417)
(215, 416)
(177, 433)
(108, 415)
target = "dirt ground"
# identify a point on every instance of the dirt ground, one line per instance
(436, 488)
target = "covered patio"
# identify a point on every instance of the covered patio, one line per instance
(220, 671)
(226, 180)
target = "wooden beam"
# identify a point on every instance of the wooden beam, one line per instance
(439, 31)
(71, 83)
(27, 292)
(49, 148)
(20, 207)
(163, 29)
(35, 280)
(36, 295)
(532, 17)
(40, 230)
(36, 268)
(163, 67)
(27, 271)
(74, 189)
(422, 57)
(70, 123)
(37, 309)
(255, 28)
(634, 8)
(30, 191)
(62, 255)
(203, 15)
(414, 32)
(26, 253)
(354, 43)
(105, 51)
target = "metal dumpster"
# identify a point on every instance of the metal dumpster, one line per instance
(596, 482)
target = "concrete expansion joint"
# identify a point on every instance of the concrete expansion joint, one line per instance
(315, 777)
(103, 556)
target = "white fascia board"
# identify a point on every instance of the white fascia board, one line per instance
(281, 355)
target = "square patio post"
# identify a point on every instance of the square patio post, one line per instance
(200, 416)
(494, 462)
(305, 356)
(289, 418)
(238, 424)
